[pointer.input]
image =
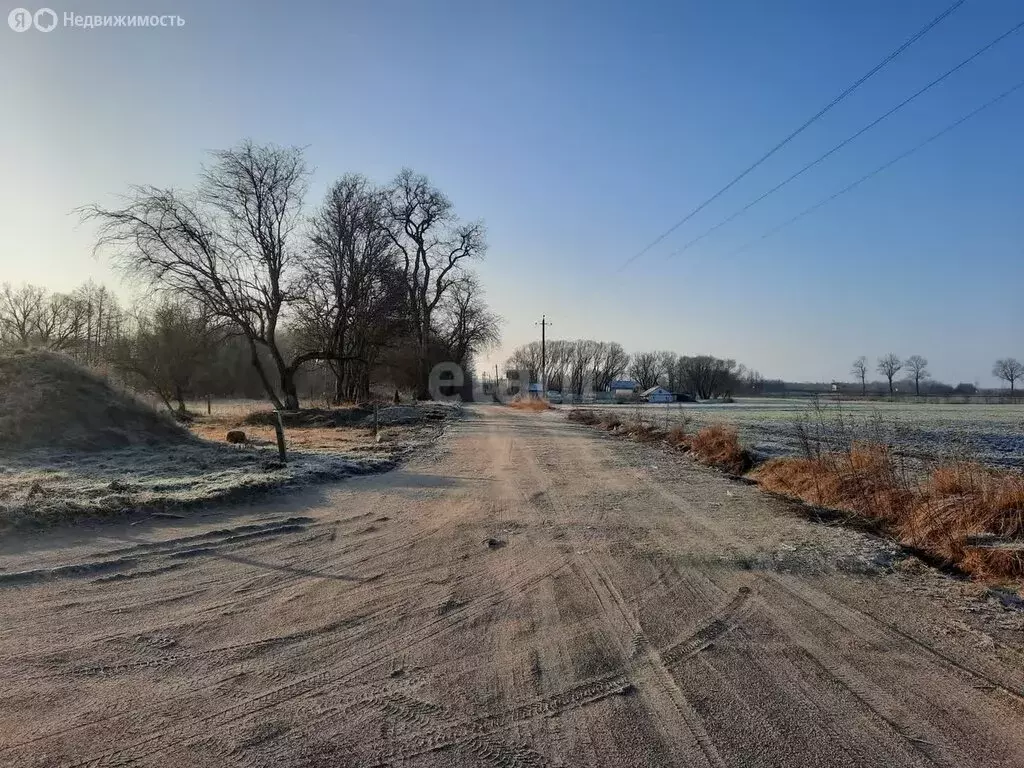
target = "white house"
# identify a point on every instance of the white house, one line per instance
(657, 395)
(623, 388)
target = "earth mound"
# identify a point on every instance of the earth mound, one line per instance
(49, 401)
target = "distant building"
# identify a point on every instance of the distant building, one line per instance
(623, 389)
(657, 395)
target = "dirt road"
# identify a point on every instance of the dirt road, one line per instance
(531, 593)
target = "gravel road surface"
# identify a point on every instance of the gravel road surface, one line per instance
(529, 592)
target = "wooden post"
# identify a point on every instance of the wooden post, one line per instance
(279, 429)
(207, 405)
(376, 425)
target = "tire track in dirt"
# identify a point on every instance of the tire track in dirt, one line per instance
(617, 625)
(179, 734)
(657, 688)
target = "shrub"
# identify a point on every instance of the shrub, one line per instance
(530, 404)
(610, 421)
(678, 437)
(643, 432)
(583, 416)
(863, 480)
(961, 513)
(719, 446)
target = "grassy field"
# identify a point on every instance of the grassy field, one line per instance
(991, 434)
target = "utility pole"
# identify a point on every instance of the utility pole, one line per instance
(543, 355)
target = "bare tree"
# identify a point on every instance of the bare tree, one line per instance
(860, 372)
(20, 310)
(706, 377)
(557, 359)
(467, 326)
(667, 365)
(609, 362)
(352, 300)
(31, 316)
(645, 369)
(172, 347)
(227, 247)
(526, 358)
(918, 368)
(434, 246)
(583, 361)
(889, 366)
(60, 322)
(1009, 370)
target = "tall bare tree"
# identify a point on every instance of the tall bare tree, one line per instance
(610, 361)
(434, 248)
(705, 376)
(645, 369)
(860, 372)
(1009, 370)
(917, 366)
(352, 300)
(583, 361)
(467, 326)
(889, 366)
(228, 247)
(667, 365)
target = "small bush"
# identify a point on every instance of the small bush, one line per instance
(610, 421)
(583, 416)
(678, 437)
(962, 514)
(530, 404)
(864, 480)
(643, 432)
(719, 446)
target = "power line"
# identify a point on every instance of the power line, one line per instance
(846, 141)
(863, 79)
(883, 167)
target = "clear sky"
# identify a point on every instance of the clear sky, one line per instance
(580, 131)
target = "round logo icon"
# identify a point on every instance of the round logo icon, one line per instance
(20, 19)
(45, 20)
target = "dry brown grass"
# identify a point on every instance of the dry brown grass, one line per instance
(610, 421)
(863, 481)
(972, 516)
(719, 446)
(962, 514)
(583, 416)
(642, 431)
(679, 438)
(341, 439)
(533, 404)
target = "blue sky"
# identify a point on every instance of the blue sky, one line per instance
(580, 131)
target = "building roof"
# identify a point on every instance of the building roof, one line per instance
(653, 390)
(622, 384)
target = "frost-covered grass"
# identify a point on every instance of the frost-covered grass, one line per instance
(45, 487)
(929, 432)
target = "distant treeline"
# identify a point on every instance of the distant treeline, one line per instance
(583, 365)
(580, 366)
